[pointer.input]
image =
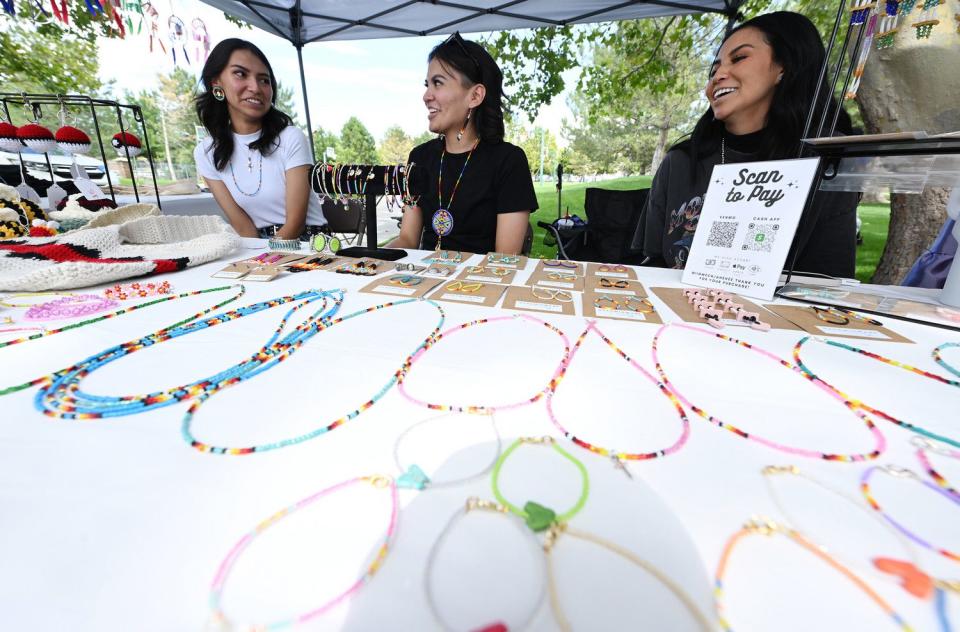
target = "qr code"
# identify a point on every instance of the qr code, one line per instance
(760, 236)
(722, 234)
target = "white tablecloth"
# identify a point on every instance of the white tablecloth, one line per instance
(117, 524)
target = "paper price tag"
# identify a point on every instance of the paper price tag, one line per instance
(613, 275)
(462, 297)
(850, 331)
(566, 286)
(605, 312)
(89, 189)
(483, 278)
(546, 307)
(393, 289)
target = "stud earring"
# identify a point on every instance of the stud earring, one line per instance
(218, 93)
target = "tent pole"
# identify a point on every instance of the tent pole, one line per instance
(306, 102)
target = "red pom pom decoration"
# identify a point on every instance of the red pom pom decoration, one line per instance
(37, 137)
(8, 137)
(126, 140)
(71, 140)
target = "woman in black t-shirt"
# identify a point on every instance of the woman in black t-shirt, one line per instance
(759, 92)
(470, 190)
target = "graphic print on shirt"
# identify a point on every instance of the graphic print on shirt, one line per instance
(680, 230)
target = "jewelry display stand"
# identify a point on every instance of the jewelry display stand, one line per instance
(101, 111)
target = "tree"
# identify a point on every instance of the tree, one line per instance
(529, 140)
(67, 64)
(356, 144)
(324, 140)
(395, 146)
(425, 137)
(285, 102)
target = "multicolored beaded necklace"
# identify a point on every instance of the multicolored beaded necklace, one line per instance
(902, 472)
(476, 408)
(285, 350)
(858, 404)
(923, 445)
(938, 357)
(220, 620)
(609, 452)
(880, 442)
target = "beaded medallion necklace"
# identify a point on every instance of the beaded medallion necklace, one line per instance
(880, 443)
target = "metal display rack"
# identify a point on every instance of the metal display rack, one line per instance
(35, 104)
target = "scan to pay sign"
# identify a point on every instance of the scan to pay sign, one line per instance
(750, 214)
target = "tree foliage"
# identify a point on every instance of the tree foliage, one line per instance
(324, 140)
(395, 146)
(531, 141)
(356, 145)
(285, 102)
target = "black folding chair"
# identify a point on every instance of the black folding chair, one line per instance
(613, 218)
(348, 222)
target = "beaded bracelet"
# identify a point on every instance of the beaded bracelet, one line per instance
(617, 283)
(938, 357)
(496, 257)
(496, 271)
(536, 516)
(5, 302)
(460, 286)
(607, 302)
(902, 472)
(219, 617)
(612, 268)
(474, 504)
(550, 543)
(859, 404)
(613, 454)
(880, 442)
(414, 477)
(14, 329)
(404, 372)
(560, 263)
(767, 527)
(562, 276)
(924, 445)
(70, 307)
(134, 290)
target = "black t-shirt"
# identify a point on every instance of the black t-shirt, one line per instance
(497, 180)
(826, 235)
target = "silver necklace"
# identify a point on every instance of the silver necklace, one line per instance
(723, 150)
(249, 168)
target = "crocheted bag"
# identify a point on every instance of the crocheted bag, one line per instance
(141, 247)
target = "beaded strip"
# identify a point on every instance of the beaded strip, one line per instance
(5, 301)
(418, 354)
(127, 310)
(923, 445)
(880, 441)
(938, 357)
(767, 527)
(125, 291)
(858, 404)
(283, 352)
(902, 472)
(219, 618)
(70, 307)
(472, 505)
(537, 516)
(610, 452)
(555, 603)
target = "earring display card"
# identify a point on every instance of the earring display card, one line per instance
(488, 274)
(263, 273)
(401, 284)
(447, 257)
(307, 264)
(676, 301)
(537, 299)
(614, 287)
(475, 293)
(516, 262)
(557, 279)
(440, 270)
(559, 265)
(633, 307)
(610, 271)
(236, 270)
(855, 327)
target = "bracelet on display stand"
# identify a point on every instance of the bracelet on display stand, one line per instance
(767, 527)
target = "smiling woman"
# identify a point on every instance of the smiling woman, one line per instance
(759, 92)
(256, 163)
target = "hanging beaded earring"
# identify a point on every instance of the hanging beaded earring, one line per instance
(218, 93)
(465, 123)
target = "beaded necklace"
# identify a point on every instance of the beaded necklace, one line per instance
(763, 526)
(880, 442)
(127, 310)
(284, 350)
(902, 472)
(858, 404)
(923, 445)
(938, 357)
(617, 455)
(219, 618)
(419, 353)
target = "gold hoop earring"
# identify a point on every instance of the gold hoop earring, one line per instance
(218, 93)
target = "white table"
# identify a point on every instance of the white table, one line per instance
(118, 525)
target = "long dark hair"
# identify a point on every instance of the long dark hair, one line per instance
(214, 115)
(797, 47)
(475, 65)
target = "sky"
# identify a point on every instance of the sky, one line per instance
(378, 81)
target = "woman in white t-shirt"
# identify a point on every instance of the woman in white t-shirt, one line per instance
(255, 162)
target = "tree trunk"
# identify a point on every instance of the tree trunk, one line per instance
(910, 87)
(660, 150)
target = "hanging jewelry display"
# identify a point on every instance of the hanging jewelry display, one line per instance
(201, 40)
(153, 32)
(860, 11)
(862, 58)
(928, 18)
(177, 34)
(887, 25)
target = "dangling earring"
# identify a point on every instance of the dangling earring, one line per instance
(218, 93)
(465, 123)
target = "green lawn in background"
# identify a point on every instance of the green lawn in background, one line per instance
(876, 218)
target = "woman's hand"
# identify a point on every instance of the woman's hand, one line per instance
(511, 231)
(237, 217)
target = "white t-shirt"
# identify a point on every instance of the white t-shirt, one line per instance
(247, 167)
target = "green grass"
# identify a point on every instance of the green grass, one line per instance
(876, 218)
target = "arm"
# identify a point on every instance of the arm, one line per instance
(297, 196)
(511, 231)
(410, 229)
(237, 217)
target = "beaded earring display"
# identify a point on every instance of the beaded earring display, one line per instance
(618, 455)
(220, 620)
(767, 527)
(887, 26)
(880, 442)
(857, 404)
(928, 19)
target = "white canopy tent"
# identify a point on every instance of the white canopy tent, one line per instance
(304, 21)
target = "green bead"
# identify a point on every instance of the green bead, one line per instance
(538, 518)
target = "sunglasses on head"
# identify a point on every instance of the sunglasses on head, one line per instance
(461, 43)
